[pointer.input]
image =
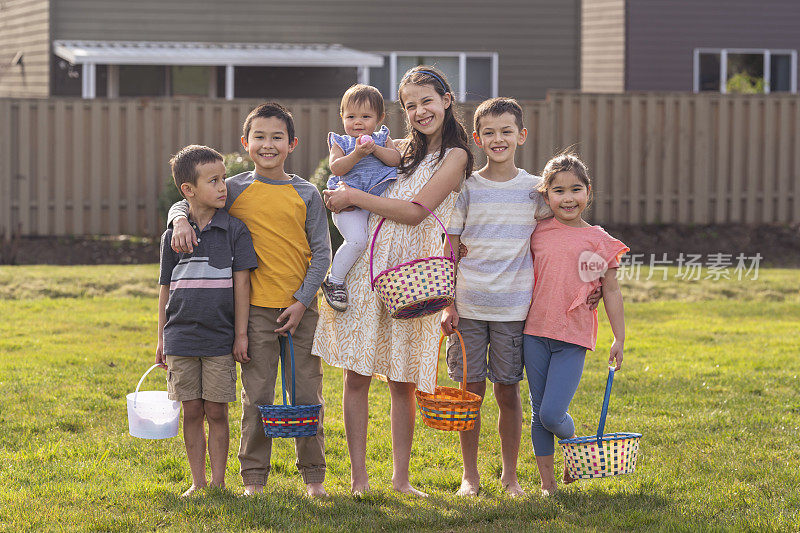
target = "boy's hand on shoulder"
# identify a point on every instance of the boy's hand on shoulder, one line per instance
(594, 298)
(184, 238)
(240, 349)
(450, 320)
(292, 316)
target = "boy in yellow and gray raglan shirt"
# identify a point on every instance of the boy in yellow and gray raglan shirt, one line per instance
(287, 220)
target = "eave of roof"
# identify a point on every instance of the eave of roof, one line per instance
(197, 53)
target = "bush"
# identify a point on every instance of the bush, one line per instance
(744, 83)
(320, 179)
(235, 163)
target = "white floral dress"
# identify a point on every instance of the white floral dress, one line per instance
(365, 339)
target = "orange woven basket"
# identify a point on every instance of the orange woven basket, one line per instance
(448, 408)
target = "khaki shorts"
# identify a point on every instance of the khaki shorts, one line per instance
(211, 378)
(494, 350)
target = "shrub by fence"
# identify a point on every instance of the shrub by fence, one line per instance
(75, 167)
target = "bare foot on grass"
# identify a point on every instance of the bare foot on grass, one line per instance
(252, 490)
(192, 491)
(468, 488)
(360, 490)
(549, 487)
(408, 489)
(315, 490)
(567, 478)
(513, 489)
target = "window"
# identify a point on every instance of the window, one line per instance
(141, 80)
(472, 75)
(729, 69)
(190, 80)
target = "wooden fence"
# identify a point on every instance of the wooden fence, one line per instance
(76, 167)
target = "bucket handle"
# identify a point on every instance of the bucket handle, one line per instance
(604, 411)
(283, 341)
(375, 237)
(140, 383)
(442, 337)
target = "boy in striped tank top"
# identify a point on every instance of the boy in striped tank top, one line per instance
(492, 224)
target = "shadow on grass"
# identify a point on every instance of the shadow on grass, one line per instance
(583, 507)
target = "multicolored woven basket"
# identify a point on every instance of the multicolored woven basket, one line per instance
(601, 455)
(416, 288)
(448, 408)
(289, 421)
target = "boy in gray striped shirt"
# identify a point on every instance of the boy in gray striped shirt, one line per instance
(493, 220)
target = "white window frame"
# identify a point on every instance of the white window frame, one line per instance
(723, 65)
(462, 69)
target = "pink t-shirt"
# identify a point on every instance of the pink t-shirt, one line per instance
(567, 265)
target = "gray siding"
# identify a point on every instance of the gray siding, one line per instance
(603, 45)
(662, 35)
(537, 40)
(25, 27)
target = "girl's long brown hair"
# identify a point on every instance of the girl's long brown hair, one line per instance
(453, 133)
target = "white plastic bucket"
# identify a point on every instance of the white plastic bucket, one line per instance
(151, 414)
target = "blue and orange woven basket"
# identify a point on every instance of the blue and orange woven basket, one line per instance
(415, 288)
(604, 454)
(448, 408)
(289, 421)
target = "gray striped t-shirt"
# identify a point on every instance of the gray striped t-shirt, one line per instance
(495, 221)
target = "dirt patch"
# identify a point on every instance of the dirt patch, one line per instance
(779, 246)
(117, 250)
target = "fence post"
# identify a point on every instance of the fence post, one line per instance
(62, 139)
(722, 193)
(7, 170)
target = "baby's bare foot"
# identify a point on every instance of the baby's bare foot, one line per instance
(469, 488)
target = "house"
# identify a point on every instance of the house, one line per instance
(688, 45)
(271, 49)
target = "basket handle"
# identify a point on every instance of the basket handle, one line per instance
(604, 411)
(378, 228)
(463, 354)
(283, 341)
(136, 394)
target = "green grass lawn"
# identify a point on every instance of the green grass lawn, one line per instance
(710, 379)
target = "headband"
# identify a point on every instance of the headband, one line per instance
(434, 75)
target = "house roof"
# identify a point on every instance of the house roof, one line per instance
(196, 53)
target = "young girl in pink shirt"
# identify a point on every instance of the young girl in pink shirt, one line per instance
(570, 260)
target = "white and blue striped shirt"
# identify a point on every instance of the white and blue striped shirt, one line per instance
(495, 221)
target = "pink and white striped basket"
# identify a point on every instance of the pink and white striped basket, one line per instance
(416, 288)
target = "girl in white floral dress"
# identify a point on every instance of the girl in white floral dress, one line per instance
(365, 340)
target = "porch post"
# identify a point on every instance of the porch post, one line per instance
(228, 82)
(112, 82)
(88, 89)
(363, 74)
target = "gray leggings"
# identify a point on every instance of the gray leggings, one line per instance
(554, 371)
